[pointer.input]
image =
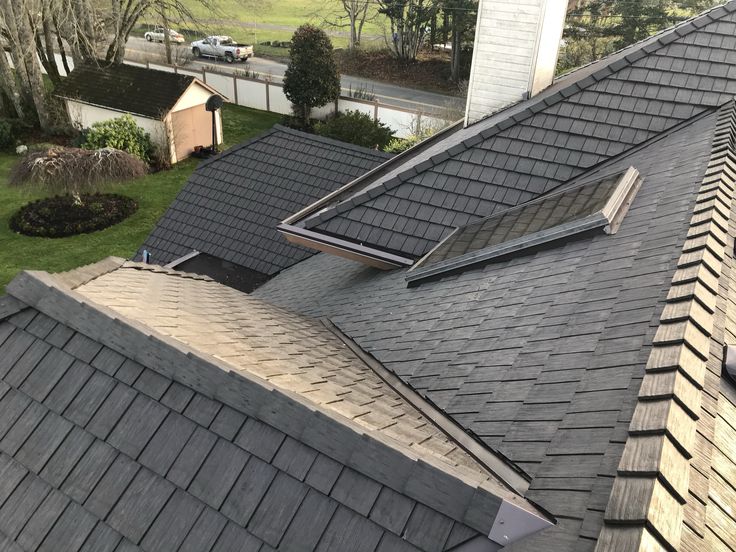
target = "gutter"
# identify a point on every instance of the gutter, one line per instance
(343, 248)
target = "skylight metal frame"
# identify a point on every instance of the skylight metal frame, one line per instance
(609, 217)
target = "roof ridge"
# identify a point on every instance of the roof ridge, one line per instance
(395, 465)
(86, 273)
(641, 42)
(515, 113)
(661, 436)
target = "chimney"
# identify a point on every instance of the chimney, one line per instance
(516, 47)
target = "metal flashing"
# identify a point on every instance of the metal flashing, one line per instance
(492, 461)
(182, 259)
(608, 217)
(513, 523)
(343, 248)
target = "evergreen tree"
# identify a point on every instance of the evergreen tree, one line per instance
(311, 78)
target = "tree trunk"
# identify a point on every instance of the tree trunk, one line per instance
(456, 47)
(82, 37)
(167, 36)
(23, 38)
(352, 15)
(48, 40)
(9, 85)
(60, 46)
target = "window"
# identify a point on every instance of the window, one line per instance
(575, 209)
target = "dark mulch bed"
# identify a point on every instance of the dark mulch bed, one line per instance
(58, 216)
(431, 71)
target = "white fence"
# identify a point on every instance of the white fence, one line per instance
(269, 96)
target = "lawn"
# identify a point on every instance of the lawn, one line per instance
(153, 193)
(274, 20)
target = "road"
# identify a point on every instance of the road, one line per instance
(399, 96)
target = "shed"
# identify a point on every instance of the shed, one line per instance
(169, 106)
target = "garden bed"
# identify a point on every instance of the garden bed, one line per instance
(61, 216)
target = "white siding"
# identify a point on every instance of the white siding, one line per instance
(516, 47)
(196, 94)
(84, 116)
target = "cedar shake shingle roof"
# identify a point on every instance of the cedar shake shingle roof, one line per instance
(208, 420)
(231, 205)
(125, 88)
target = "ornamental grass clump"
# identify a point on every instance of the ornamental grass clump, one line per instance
(75, 171)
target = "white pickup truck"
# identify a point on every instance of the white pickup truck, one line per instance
(221, 47)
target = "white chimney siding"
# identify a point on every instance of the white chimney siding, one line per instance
(516, 47)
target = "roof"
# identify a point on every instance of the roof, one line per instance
(150, 409)
(231, 205)
(586, 118)
(146, 92)
(541, 354)
(600, 204)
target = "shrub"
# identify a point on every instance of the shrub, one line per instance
(7, 137)
(122, 133)
(357, 128)
(75, 171)
(60, 216)
(399, 145)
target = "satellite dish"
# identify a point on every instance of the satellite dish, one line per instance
(214, 103)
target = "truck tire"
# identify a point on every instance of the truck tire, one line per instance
(148, 37)
(229, 57)
(196, 53)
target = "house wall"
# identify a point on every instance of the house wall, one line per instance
(84, 116)
(197, 96)
(516, 47)
(192, 127)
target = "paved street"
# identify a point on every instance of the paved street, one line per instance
(428, 102)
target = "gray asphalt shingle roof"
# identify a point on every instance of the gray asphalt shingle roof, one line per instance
(231, 205)
(125, 87)
(119, 432)
(586, 118)
(540, 355)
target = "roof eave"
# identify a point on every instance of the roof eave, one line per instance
(343, 248)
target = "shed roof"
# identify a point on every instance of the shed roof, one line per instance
(231, 205)
(127, 88)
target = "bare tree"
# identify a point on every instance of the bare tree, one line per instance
(353, 16)
(18, 28)
(124, 15)
(409, 22)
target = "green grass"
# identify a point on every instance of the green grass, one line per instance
(153, 193)
(287, 13)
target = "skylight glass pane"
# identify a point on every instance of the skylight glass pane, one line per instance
(536, 216)
(599, 204)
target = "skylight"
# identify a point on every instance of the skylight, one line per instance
(599, 204)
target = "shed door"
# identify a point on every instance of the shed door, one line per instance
(191, 127)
